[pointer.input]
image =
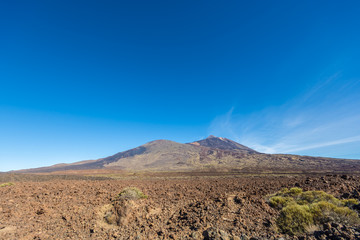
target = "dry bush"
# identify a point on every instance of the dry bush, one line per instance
(123, 207)
(6, 184)
(300, 211)
(131, 193)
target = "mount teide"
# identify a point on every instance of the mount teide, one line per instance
(210, 154)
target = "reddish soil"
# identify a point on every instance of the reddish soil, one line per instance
(175, 209)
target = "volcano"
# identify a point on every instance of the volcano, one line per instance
(210, 154)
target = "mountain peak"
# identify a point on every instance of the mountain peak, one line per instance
(221, 143)
(211, 136)
(215, 137)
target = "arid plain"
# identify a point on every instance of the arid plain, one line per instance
(180, 207)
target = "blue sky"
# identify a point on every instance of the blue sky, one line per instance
(86, 79)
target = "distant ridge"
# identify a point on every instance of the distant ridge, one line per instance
(210, 154)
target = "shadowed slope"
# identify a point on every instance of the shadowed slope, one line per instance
(160, 154)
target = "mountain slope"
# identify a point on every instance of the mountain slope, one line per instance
(210, 154)
(162, 154)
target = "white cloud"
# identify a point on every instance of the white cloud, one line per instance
(326, 144)
(328, 115)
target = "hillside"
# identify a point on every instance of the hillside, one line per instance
(210, 154)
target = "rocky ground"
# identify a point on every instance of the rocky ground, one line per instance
(176, 208)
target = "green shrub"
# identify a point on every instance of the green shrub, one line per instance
(280, 202)
(299, 210)
(295, 191)
(327, 212)
(309, 197)
(131, 193)
(344, 215)
(295, 219)
(6, 184)
(350, 202)
(285, 192)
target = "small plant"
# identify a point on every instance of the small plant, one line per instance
(6, 184)
(279, 202)
(131, 193)
(349, 202)
(300, 210)
(295, 218)
(109, 216)
(121, 211)
(295, 191)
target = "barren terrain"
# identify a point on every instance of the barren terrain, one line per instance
(178, 207)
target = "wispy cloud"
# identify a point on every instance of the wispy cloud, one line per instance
(326, 117)
(326, 144)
